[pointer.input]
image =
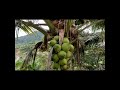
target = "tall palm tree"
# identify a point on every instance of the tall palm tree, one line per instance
(73, 29)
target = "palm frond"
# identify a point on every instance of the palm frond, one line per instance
(25, 26)
(31, 55)
(79, 21)
(91, 24)
(17, 31)
(100, 25)
(92, 40)
(27, 59)
(50, 25)
(28, 28)
(38, 45)
(81, 25)
(25, 29)
(69, 23)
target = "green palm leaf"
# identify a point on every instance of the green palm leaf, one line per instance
(50, 25)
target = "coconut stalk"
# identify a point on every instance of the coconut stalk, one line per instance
(49, 59)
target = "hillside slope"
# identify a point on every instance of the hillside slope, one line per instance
(31, 38)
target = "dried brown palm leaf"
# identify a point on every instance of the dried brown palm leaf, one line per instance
(61, 36)
(31, 55)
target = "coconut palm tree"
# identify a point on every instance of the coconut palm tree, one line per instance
(72, 29)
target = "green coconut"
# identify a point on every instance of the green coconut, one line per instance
(71, 47)
(65, 40)
(52, 42)
(65, 47)
(63, 62)
(56, 66)
(55, 58)
(67, 59)
(57, 48)
(62, 54)
(56, 38)
(64, 67)
(69, 54)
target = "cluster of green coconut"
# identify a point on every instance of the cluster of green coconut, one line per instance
(61, 53)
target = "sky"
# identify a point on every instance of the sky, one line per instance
(21, 33)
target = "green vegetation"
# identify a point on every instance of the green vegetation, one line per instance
(31, 39)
